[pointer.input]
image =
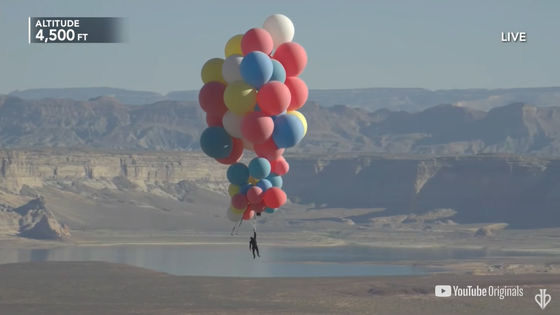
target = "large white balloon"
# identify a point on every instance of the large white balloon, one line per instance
(230, 68)
(280, 28)
(232, 124)
(232, 216)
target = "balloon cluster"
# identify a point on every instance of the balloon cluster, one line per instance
(251, 100)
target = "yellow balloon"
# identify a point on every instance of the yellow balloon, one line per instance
(212, 71)
(253, 181)
(237, 211)
(233, 46)
(240, 97)
(233, 190)
(301, 118)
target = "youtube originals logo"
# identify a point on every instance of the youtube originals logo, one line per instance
(443, 290)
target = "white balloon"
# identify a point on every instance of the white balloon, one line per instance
(280, 28)
(232, 216)
(230, 68)
(232, 124)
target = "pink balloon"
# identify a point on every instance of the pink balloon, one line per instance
(299, 92)
(236, 153)
(274, 98)
(211, 98)
(268, 150)
(274, 197)
(254, 195)
(257, 39)
(248, 214)
(280, 167)
(293, 57)
(257, 127)
(239, 201)
(214, 120)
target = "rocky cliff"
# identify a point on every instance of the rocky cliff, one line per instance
(523, 192)
(32, 220)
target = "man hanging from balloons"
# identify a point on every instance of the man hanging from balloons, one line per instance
(251, 100)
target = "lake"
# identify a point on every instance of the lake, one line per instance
(236, 261)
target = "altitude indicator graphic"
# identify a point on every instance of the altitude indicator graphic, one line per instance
(53, 30)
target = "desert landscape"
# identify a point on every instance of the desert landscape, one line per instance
(455, 204)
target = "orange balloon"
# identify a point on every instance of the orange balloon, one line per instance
(211, 98)
(257, 39)
(214, 120)
(274, 197)
(293, 57)
(257, 127)
(279, 167)
(248, 214)
(299, 92)
(268, 150)
(273, 98)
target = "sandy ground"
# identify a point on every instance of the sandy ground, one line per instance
(103, 288)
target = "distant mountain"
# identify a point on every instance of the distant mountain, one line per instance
(407, 99)
(101, 123)
(83, 94)
(441, 130)
(413, 100)
(104, 122)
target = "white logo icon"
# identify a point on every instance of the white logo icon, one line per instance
(542, 298)
(443, 290)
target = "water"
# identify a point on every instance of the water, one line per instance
(235, 260)
(219, 260)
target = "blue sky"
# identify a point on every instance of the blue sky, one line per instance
(350, 44)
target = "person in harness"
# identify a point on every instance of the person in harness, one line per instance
(253, 244)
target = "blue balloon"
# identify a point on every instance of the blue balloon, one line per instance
(245, 188)
(288, 131)
(264, 184)
(238, 174)
(257, 108)
(269, 210)
(216, 142)
(259, 168)
(256, 69)
(275, 180)
(278, 71)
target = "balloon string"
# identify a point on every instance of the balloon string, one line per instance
(254, 224)
(236, 227)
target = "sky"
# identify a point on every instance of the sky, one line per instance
(350, 44)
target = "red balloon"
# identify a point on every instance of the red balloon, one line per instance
(248, 214)
(214, 120)
(257, 39)
(280, 167)
(273, 98)
(235, 155)
(260, 207)
(299, 92)
(211, 98)
(255, 195)
(274, 197)
(293, 57)
(257, 127)
(239, 201)
(268, 150)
